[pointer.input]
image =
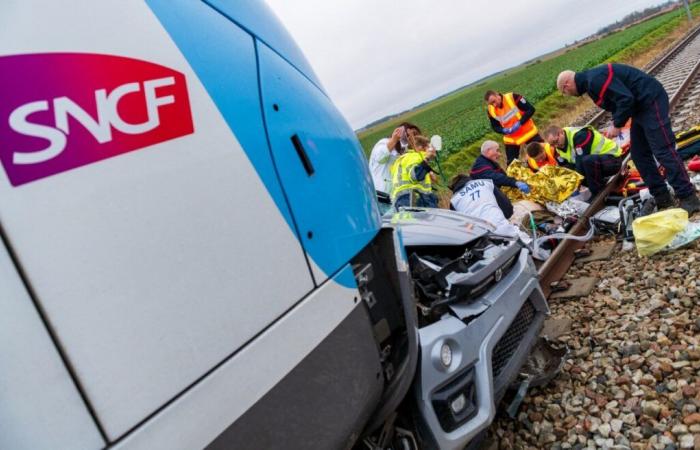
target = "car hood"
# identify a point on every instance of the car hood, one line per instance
(431, 226)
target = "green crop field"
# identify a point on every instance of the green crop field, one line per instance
(460, 118)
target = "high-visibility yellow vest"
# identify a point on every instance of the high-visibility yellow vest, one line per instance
(402, 175)
(550, 161)
(600, 146)
(507, 115)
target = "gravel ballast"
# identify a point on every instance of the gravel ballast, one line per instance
(632, 379)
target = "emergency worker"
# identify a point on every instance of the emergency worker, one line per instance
(486, 167)
(412, 176)
(385, 152)
(587, 151)
(511, 115)
(482, 199)
(627, 92)
(541, 154)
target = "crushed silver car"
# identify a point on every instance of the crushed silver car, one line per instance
(480, 310)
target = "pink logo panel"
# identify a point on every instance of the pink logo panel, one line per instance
(60, 111)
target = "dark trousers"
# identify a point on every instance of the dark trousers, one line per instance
(513, 151)
(652, 137)
(595, 168)
(415, 198)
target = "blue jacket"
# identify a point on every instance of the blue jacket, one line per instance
(484, 168)
(620, 89)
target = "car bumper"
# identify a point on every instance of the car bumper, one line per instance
(487, 350)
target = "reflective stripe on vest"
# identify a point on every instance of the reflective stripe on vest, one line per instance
(567, 154)
(402, 174)
(507, 115)
(550, 161)
(600, 145)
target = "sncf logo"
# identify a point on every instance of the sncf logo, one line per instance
(60, 111)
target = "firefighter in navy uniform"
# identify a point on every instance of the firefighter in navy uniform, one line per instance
(486, 167)
(511, 115)
(588, 152)
(628, 92)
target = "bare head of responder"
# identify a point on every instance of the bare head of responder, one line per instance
(566, 83)
(555, 136)
(494, 99)
(535, 150)
(491, 150)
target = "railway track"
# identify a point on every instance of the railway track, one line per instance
(679, 72)
(642, 313)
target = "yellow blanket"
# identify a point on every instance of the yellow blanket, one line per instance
(549, 184)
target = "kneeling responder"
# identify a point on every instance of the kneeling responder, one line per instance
(511, 115)
(411, 175)
(540, 155)
(592, 155)
(486, 167)
(482, 199)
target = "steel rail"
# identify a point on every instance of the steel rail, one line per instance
(673, 101)
(657, 66)
(563, 255)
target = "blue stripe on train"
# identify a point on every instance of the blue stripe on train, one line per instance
(334, 209)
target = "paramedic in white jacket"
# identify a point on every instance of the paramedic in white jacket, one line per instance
(481, 198)
(385, 153)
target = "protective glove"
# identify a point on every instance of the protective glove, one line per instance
(506, 130)
(524, 188)
(515, 127)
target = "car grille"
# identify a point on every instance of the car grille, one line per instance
(509, 342)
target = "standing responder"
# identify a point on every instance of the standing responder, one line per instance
(385, 152)
(486, 167)
(628, 92)
(411, 175)
(511, 115)
(592, 155)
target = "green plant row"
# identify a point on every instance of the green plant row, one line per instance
(460, 118)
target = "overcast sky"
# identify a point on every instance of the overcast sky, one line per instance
(380, 57)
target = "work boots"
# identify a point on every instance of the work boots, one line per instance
(690, 204)
(657, 203)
